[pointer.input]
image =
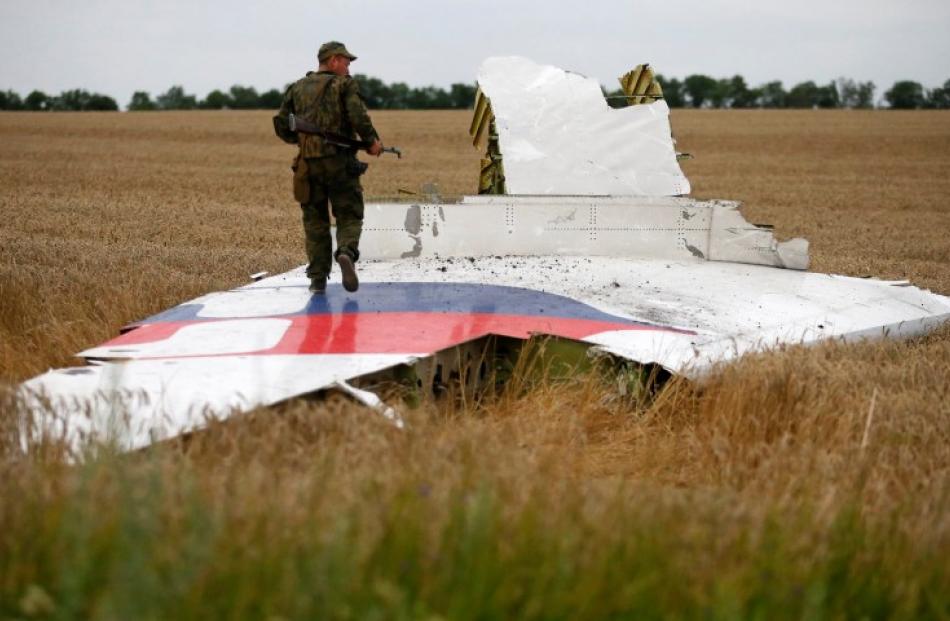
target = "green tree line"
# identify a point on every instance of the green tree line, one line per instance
(696, 91)
(76, 100)
(703, 91)
(378, 95)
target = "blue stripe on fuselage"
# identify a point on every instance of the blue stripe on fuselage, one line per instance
(427, 297)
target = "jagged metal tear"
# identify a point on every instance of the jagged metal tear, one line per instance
(558, 136)
(612, 226)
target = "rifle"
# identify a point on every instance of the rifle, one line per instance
(338, 140)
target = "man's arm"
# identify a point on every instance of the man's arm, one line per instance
(358, 115)
(287, 103)
(281, 124)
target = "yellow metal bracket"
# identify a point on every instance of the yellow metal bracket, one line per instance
(640, 85)
(491, 179)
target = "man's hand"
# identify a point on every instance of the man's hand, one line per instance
(376, 148)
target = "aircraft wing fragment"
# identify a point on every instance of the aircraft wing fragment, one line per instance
(169, 373)
(559, 136)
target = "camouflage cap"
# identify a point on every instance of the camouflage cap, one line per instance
(333, 48)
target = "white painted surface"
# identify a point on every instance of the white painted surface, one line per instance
(732, 308)
(137, 402)
(221, 337)
(647, 227)
(558, 135)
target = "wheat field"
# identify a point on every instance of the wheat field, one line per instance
(807, 482)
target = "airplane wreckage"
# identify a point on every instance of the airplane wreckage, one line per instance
(582, 231)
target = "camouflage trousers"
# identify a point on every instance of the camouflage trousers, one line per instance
(330, 184)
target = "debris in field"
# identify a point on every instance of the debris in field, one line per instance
(550, 132)
(550, 263)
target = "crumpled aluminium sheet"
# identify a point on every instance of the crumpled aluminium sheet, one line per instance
(558, 135)
(271, 340)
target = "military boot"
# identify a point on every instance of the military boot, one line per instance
(318, 284)
(348, 267)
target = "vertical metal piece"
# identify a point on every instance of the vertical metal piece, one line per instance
(482, 111)
(491, 178)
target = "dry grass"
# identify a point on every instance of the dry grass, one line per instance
(806, 482)
(111, 217)
(869, 189)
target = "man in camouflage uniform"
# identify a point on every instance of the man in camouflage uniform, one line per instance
(330, 99)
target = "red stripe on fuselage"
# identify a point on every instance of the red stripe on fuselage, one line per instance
(391, 333)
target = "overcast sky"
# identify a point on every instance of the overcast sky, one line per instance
(119, 46)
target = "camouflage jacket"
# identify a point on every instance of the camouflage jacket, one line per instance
(331, 102)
